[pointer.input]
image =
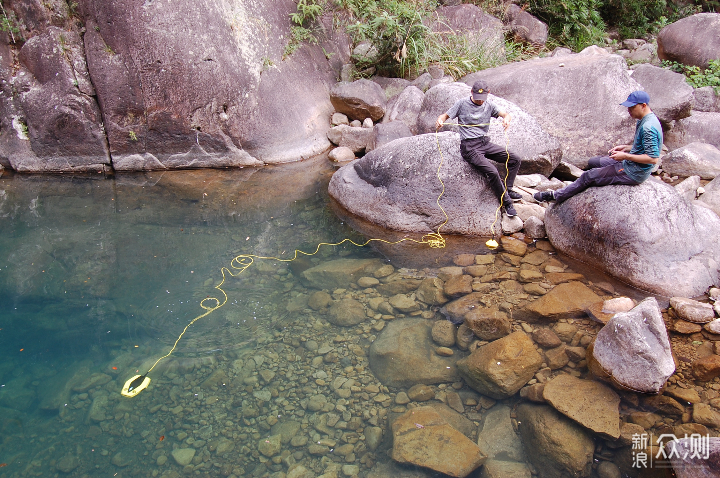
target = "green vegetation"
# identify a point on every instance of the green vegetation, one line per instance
(696, 77)
(133, 136)
(10, 24)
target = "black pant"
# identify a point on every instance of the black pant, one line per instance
(604, 172)
(477, 151)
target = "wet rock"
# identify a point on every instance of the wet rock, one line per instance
(403, 303)
(359, 100)
(316, 402)
(502, 367)
(633, 351)
(403, 355)
(269, 446)
(607, 469)
(443, 333)
(692, 310)
(319, 300)
(685, 327)
(590, 403)
(341, 154)
(575, 354)
(546, 338)
(373, 437)
(94, 380)
(458, 285)
(346, 312)
(365, 282)
(67, 463)
(565, 331)
(455, 311)
(704, 414)
(402, 286)
(533, 392)
(422, 437)
(497, 438)
(55, 392)
(444, 351)
(123, 458)
(564, 301)
(464, 337)
(98, 408)
(488, 323)
(505, 469)
(706, 368)
(339, 272)
(299, 471)
(183, 456)
(556, 445)
(513, 246)
(556, 358)
(286, 429)
(421, 393)
(688, 464)
(431, 291)
(455, 419)
(686, 395)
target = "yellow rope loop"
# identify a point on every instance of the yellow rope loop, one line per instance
(434, 240)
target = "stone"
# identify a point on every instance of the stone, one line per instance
(403, 303)
(565, 301)
(633, 350)
(443, 333)
(695, 159)
(373, 437)
(713, 326)
(546, 338)
(501, 368)
(591, 404)
(355, 138)
(671, 96)
(123, 458)
(526, 27)
(338, 118)
(341, 154)
(556, 358)
(535, 227)
(706, 100)
(511, 225)
(686, 328)
(455, 311)
(505, 469)
(497, 438)
(534, 392)
(608, 469)
(471, 24)
(704, 414)
(687, 395)
(319, 300)
(384, 133)
(333, 274)
(711, 197)
(701, 127)
(420, 393)
(575, 354)
(400, 286)
(94, 380)
(346, 312)
(706, 368)
(457, 286)
(444, 351)
(286, 429)
(688, 465)
(513, 246)
(556, 445)
(640, 248)
(403, 355)
(270, 446)
(67, 463)
(359, 100)
(488, 323)
(692, 310)
(316, 403)
(688, 188)
(557, 277)
(682, 41)
(565, 331)
(405, 107)
(455, 402)
(567, 172)
(183, 456)
(431, 291)
(422, 437)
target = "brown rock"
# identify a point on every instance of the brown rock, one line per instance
(564, 301)
(476, 271)
(488, 323)
(513, 246)
(458, 285)
(627, 430)
(420, 393)
(501, 368)
(464, 260)
(546, 338)
(457, 309)
(663, 404)
(595, 312)
(686, 395)
(455, 402)
(528, 275)
(575, 354)
(464, 337)
(692, 310)
(511, 259)
(346, 312)
(319, 300)
(591, 404)
(534, 392)
(565, 331)
(535, 258)
(401, 286)
(561, 277)
(684, 327)
(556, 358)
(707, 368)
(422, 437)
(705, 415)
(690, 429)
(443, 333)
(431, 291)
(444, 352)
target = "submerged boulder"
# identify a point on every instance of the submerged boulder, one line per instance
(647, 235)
(540, 152)
(633, 350)
(603, 122)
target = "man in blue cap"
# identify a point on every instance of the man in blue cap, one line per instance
(625, 164)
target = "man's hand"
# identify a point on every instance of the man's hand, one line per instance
(506, 121)
(618, 155)
(440, 121)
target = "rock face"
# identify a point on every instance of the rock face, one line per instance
(693, 40)
(688, 465)
(405, 107)
(701, 127)
(695, 159)
(711, 197)
(384, 133)
(152, 86)
(526, 27)
(501, 368)
(565, 301)
(671, 98)
(590, 403)
(473, 23)
(539, 151)
(706, 100)
(359, 100)
(403, 356)
(633, 350)
(647, 235)
(604, 122)
(557, 446)
(422, 437)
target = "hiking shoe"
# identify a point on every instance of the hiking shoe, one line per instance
(515, 196)
(510, 210)
(544, 196)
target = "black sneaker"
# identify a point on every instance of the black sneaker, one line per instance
(515, 196)
(510, 210)
(544, 196)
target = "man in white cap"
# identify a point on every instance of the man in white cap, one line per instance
(625, 164)
(475, 146)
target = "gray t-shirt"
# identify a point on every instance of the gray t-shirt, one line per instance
(469, 113)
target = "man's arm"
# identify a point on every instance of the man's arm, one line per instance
(441, 119)
(638, 158)
(506, 118)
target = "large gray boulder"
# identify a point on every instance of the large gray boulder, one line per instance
(711, 197)
(470, 21)
(646, 235)
(397, 187)
(671, 98)
(539, 151)
(526, 27)
(633, 351)
(384, 133)
(701, 127)
(404, 355)
(542, 87)
(693, 40)
(699, 159)
(359, 100)
(405, 107)
(706, 100)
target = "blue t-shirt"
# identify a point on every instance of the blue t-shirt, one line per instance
(648, 140)
(468, 112)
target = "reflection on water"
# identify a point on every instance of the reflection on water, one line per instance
(98, 277)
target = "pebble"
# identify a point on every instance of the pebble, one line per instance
(183, 456)
(444, 351)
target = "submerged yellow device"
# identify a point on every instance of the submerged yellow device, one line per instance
(492, 244)
(135, 385)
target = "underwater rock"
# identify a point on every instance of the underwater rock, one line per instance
(565, 301)
(346, 312)
(498, 439)
(183, 456)
(339, 272)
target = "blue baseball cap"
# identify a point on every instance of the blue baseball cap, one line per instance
(635, 98)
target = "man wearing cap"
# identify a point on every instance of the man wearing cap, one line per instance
(625, 164)
(475, 146)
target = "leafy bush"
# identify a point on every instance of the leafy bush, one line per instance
(696, 77)
(575, 23)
